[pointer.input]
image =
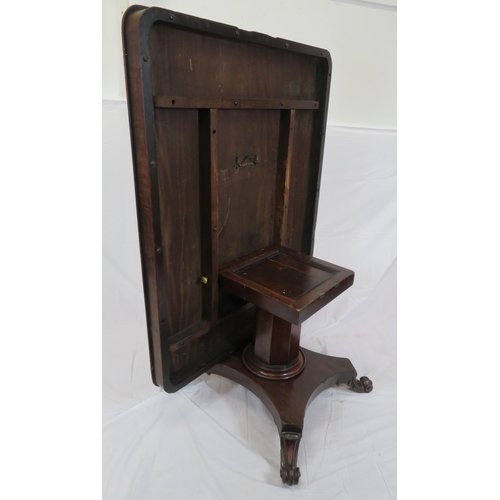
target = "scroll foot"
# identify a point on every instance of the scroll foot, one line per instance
(364, 384)
(287, 400)
(289, 471)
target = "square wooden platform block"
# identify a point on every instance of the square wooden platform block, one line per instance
(287, 287)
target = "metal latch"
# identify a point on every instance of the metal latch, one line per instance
(246, 162)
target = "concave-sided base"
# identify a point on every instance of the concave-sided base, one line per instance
(287, 400)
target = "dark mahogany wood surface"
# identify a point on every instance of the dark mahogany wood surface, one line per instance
(287, 400)
(246, 194)
(283, 275)
(227, 130)
(187, 62)
(276, 341)
(162, 101)
(286, 283)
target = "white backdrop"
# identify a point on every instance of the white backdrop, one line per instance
(214, 439)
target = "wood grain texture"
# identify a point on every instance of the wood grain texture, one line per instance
(191, 64)
(287, 400)
(276, 340)
(281, 275)
(285, 283)
(211, 341)
(245, 86)
(178, 179)
(136, 82)
(299, 176)
(246, 194)
(284, 163)
(180, 102)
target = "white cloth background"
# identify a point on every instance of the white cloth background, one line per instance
(214, 439)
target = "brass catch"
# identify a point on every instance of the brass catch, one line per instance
(246, 162)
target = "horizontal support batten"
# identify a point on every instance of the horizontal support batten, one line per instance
(163, 101)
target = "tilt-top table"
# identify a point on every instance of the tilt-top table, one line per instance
(227, 130)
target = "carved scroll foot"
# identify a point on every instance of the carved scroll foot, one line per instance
(364, 384)
(287, 400)
(289, 471)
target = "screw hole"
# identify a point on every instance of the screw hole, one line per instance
(214, 131)
(173, 101)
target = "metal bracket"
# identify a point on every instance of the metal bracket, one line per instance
(246, 162)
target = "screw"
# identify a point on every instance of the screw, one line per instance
(237, 32)
(236, 103)
(286, 45)
(145, 58)
(158, 250)
(153, 164)
(171, 17)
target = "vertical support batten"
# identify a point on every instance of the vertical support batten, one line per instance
(285, 151)
(209, 218)
(214, 211)
(288, 163)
